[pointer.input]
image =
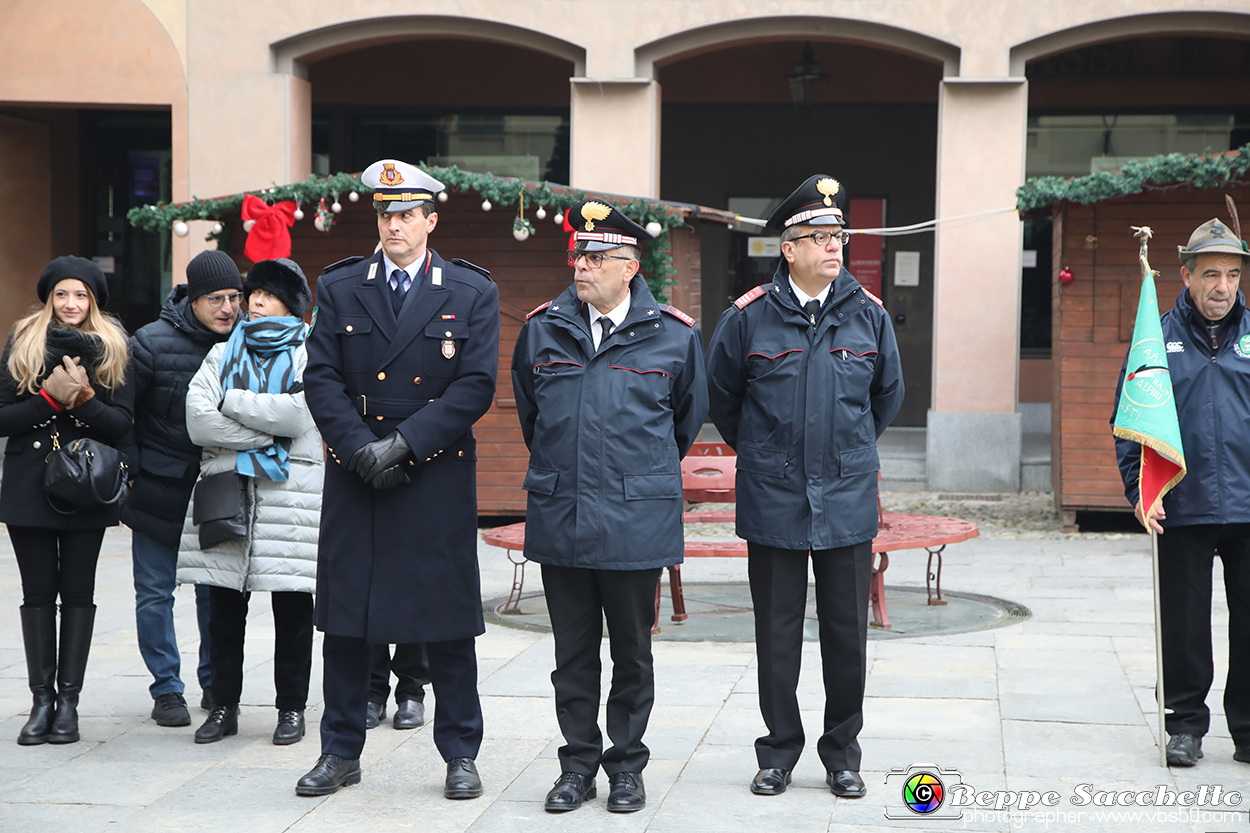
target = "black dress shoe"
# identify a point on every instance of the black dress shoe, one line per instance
(290, 727)
(222, 721)
(374, 714)
(171, 710)
(770, 780)
(570, 791)
(1183, 750)
(626, 793)
(462, 779)
(330, 773)
(846, 783)
(409, 714)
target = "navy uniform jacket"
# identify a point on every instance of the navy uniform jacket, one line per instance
(1212, 392)
(803, 409)
(400, 565)
(606, 432)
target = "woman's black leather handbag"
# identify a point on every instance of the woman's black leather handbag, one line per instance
(219, 508)
(84, 474)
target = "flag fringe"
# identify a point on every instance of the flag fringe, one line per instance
(1166, 451)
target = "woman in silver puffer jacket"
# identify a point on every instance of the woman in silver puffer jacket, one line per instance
(246, 408)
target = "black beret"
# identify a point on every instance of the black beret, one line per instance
(73, 268)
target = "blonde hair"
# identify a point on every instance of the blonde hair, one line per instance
(27, 355)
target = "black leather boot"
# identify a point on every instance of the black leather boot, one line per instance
(39, 635)
(76, 626)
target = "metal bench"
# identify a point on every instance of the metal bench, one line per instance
(708, 474)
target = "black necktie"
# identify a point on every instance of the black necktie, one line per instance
(812, 308)
(398, 293)
(606, 328)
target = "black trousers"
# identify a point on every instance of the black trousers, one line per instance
(577, 602)
(292, 647)
(411, 667)
(453, 676)
(1186, 557)
(779, 594)
(56, 562)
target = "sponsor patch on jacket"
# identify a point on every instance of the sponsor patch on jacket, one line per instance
(756, 293)
(678, 314)
(1176, 347)
(1242, 347)
(537, 310)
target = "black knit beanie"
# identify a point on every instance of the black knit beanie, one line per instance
(210, 271)
(284, 280)
(73, 268)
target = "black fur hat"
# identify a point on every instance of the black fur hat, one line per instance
(283, 279)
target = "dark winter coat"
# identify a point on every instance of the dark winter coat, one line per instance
(400, 565)
(803, 408)
(1212, 392)
(606, 432)
(29, 421)
(165, 356)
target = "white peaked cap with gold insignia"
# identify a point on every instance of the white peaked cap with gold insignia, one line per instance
(399, 186)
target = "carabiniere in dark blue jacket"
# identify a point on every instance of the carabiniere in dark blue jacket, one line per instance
(606, 432)
(1212, 392)
(803, 407)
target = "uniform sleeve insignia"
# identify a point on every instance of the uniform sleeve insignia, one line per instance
(679, 315)
(873, 298)
(758, 292)
(538, 309)
(348, 261)
(485, 273)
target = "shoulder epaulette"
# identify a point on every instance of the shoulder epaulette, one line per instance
(678, 314)
(538, 309)
(758, 292)
(347, 261)
(874, 298)
(485, 273)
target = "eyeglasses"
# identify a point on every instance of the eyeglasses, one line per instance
(822, 238)
(593, 259)
(216, 301)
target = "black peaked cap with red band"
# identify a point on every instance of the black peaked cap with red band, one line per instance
(596, 226)
(819, 201)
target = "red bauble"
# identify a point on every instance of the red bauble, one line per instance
(1066, 276)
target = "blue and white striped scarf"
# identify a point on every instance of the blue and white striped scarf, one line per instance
(260, 357)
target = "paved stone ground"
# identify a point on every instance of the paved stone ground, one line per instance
(1060, 700)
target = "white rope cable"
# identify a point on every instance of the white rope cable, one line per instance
(914, 228)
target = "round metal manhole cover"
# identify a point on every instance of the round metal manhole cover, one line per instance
(721, 612)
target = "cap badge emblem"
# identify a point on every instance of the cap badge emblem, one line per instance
(828, 186)
(390, 176)
(592, 211)
(1217, 230)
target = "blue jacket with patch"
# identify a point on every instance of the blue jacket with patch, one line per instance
(606, 431)
(1212, 391)
(803, 407)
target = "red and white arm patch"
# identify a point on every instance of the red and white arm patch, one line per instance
(758, 292)
(678, 314)
(874, 298)
(542, 307)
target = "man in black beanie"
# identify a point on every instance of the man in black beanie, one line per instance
(166, 354)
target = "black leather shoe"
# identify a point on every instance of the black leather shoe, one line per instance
(171, 710)
(409, 714)
(462, 779)
(846, 783)
(222, 721)
(626, 794)
(770, 780)
(329, 774)
(1183, 750)
(570, 791)
(374, 714)
(290, 727)
(1242, 753)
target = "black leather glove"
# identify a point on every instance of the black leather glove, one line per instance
(378, 455)
(390, 478)
(296, 387)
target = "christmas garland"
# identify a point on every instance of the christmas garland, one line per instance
(1136, 177)
(657, 263)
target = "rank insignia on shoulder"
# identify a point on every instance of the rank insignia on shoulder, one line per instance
(758, 292)
(537, 310)
(873, 298)
(347, 261)
(678, 314)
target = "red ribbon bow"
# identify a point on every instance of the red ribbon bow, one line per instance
(269, 238)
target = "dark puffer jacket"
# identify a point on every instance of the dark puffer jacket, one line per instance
(165, 356)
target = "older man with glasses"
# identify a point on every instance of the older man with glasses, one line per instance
(165, 463)
(804, 376)
(610, 391)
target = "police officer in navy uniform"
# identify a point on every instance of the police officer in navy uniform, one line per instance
(804, 376)
(611, 393)
(402, 360)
